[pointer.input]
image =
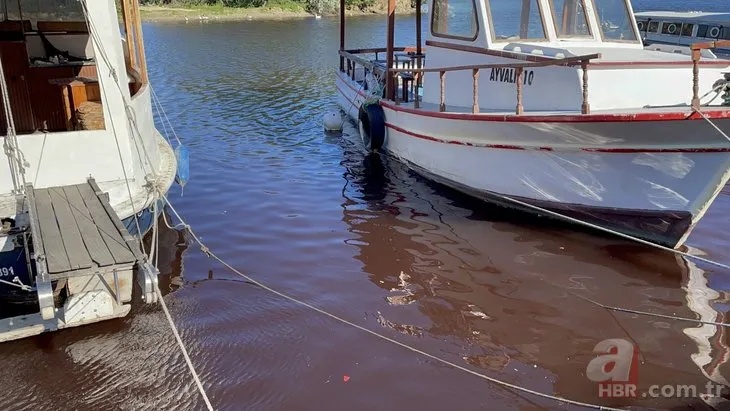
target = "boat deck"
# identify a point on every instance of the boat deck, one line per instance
(82, 258)
(78, 232)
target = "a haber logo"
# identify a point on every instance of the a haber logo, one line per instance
(615, 369)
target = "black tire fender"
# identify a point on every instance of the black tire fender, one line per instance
(371, 123)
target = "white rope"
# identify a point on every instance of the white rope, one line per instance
(161, 107)
(613, 232)
(11, 144)
(335, 317)
(670, 317)
(130, 116)
(184, 351)
(102, 52)
(722, 133)
(18, 284)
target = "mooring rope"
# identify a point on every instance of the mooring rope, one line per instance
(183, 350)
(610, 231)
(722, 133)
(669, 317)
(128, 111)
(337, 318)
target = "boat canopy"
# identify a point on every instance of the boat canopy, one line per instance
(535, 20)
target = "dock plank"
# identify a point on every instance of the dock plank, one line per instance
(78, 255)
(109, 232)
(95, 245)
(55, 250)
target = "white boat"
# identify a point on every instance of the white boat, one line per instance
(81, 106)
(550, 104)
(684, 28)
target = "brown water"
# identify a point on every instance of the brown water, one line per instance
(365, 238)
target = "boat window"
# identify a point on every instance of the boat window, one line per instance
(687, 29)
(570, 18)
(516, 20)
(702, 30)
(653, 27)
(454, 19)
(52, 10)
(725, 33)
(671, 28)
(615, 20)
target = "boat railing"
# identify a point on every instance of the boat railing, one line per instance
(414, 75)
(696, 57)
(582, 61)
(349, 59)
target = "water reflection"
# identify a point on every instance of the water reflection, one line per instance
(506, 291)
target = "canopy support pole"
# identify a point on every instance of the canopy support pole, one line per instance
(342, 34)
(525, 18)
(418, 30)
(389, 77)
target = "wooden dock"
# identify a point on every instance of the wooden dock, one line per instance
(83, 261)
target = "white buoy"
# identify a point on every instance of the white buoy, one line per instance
(332, 121)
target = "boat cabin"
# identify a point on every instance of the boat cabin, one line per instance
(537, 54)
(52, 65)
(683, 28)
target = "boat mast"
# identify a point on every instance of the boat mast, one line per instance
(389, 82)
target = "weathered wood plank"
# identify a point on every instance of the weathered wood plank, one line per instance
(78, 256)
(132, 241)
(112, 237)
(95, 245)
(55, 250)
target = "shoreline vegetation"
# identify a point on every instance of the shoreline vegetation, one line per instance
(157, 11)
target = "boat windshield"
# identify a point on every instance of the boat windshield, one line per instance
(42, 10)
(516, 20)
(615, 20)
(570, 18)
(455, 19)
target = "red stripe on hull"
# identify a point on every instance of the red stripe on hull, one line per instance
(541, 148)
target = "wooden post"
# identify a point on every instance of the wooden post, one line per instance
(696, 55)
(475, 105)
(442, 106)
(586, 109)
(390, 86)
(416, 102)
(520, 83)
(418, 31)
(128, 18)
(140, 42)
(342, 33)
(354, 66)
(395, 81)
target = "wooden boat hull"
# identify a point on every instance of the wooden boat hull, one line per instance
(652, 178)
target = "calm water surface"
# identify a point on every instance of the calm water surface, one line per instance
(365, 238)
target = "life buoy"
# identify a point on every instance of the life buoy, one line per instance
(641, 25)
(714, 32)
(371, 122)
(672, 28)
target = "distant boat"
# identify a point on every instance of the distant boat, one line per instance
(684, 28)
